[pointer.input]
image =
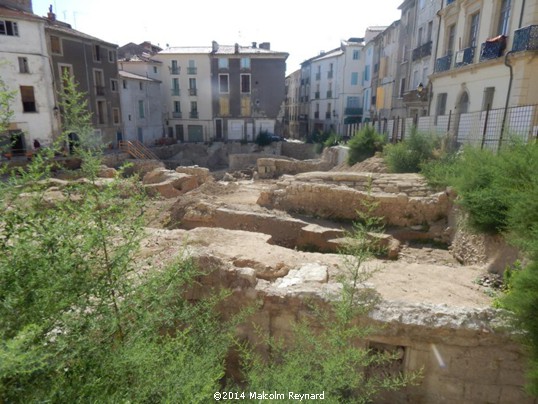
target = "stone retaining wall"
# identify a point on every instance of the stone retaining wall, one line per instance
(402, 200)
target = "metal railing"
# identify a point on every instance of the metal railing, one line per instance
(525, 39)
(137, 150)
(443, 63)
(493, 49)
(422, 51)
(192, 91)
(100, 90)
(193, 114)
(176, 115)
(464, 57)
(175, 91)
(174, 69)
(353, 111)
(192, 70)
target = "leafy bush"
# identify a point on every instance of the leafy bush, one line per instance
(263, 138)
(408, 155)
(364, 144)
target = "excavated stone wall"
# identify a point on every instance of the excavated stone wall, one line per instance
(402, 200)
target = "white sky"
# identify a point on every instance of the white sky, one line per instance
(301, 28)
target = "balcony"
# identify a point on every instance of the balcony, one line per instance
(493, 48)
(193, 114)
(316, 95)
(100, 90)
(176, 115)
(449, 2)
(443, 64)
(327, 115)
(174, 69)
(316, 115)
(175, 91)
(526, 39)
(329, 94)
(422, 51)
(353, 111)
(192, 91)
(464, 57)
(192, 70)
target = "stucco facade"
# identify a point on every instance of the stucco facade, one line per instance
(25, 71)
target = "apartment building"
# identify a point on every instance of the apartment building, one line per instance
(248, 89)
(292, 107)
(25, 71)
(93, 64)
(485, 56)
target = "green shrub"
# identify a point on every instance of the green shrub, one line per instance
(364, 144)
(408, 155)
(263, 138)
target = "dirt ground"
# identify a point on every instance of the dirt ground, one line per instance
(422, 273)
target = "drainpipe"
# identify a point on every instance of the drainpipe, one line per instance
(510, 67)
(436, 53)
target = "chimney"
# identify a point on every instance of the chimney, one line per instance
(265, 45)
(254, 45)
(236, 48)
(50, 15)
(214, 46)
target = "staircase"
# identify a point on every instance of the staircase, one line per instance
(137, 150)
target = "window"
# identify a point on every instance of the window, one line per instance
(356, 54)
(96, 53)
(504, 17)
(192, 84)
(402, 87)
(245, 63)
(124, 84)
(430, 29)
(155, 69)
(473, 30)
(441, 104)
(415, 79)
(421, 4)
(192, 67)
(9, 28)
(116, 116)
(99, 82)
(194, 109)
(141, 109)
(487, 101)
(419, 37)
(55, 45)
(66, 71)
(111, 57)
(114, 85)
(175, 86)
(23, 65)
(451, 39)
(140, 86)
(425, 75)
(140, 134)
(174, 68)
(101, 112)
(245, 84)
(353, 102)
(367, 73)
(28, 99)
(224, 87)
(177, 107)
(223, 63)
(354, 78)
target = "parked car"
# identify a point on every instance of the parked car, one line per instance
(275, 138)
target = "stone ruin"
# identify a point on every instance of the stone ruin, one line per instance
(279, 248)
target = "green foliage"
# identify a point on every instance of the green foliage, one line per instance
(263, 138)
(364, 144)
(408, 155)
(81, 322)
(325, 353)
(333, 140)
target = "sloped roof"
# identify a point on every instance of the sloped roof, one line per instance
(129, 75)
(64, 28)
(145, 58)
(16, 14)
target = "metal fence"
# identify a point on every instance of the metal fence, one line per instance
(487, 128)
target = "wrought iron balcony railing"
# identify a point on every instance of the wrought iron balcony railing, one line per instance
(316, 95)
(525, 39)
(176, 115)
(464, 57)
(329, 94)
(174, 69)
(192, 70)
(175, 91)
(493, 48)
(192, 91)
(422, 51)
(444, 63)
(316, 115)
(100, 90)
(193, 114)
(327, 115)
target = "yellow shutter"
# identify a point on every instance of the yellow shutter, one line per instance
(245, 106)
(224, 106)
(380, 98)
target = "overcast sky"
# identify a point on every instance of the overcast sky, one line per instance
(301, 28)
